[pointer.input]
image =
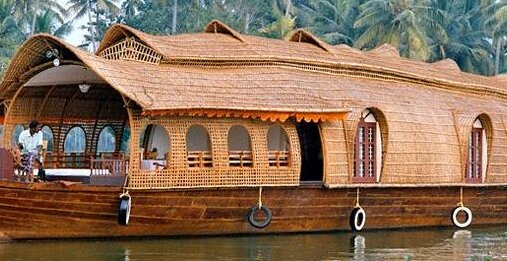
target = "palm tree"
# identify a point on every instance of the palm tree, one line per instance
(496, 23)
(455, 31)
(284, 21)
(131, 7)
(395, 22)
(80, 8)
(10, 33)
(28, 10)
(53, 23)
(331, 19)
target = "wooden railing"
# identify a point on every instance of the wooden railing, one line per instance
(108, 171)
(279, 158)
(75, 160)
(102, 166)
(200, 159)
(67, 160)
(240, 158)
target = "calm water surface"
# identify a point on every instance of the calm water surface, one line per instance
(429, 244)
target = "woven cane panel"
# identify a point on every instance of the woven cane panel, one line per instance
(179, 175)
(130, 49)
(424, 145)
(497, 150)
(335, 153)
(421, 147)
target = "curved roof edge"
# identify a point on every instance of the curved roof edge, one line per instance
(118, 32)
(31, 54)
(303, 36)
(386, 49)
(217, 26)
(448, 64)
(501, 77)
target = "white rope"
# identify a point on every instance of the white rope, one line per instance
(260, 197)
(357, 198)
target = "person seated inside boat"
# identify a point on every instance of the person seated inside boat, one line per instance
(152, 154)
(30, 144)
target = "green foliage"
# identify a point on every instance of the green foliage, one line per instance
(10, 33)
(331, 19)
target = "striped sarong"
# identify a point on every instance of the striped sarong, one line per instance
(27, 161)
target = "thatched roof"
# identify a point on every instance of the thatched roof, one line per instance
(222, 72)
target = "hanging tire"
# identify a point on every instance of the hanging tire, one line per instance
(124, 210)
(250, 216)
(454, 217)
(357, 218)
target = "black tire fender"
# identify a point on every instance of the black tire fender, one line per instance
(357, 218)
(124, 210)
(250, 216)
(454, 217)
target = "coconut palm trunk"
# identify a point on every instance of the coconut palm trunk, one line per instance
(175, 16)
(34, 18)
(92, 31)
(287, 9)
(497, 55)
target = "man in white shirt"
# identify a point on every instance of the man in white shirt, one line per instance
(30, 144)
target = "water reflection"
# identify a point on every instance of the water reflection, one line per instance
(461, 244)
(432, 244)
(357, 246)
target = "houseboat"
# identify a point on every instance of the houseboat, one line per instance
(221, 133)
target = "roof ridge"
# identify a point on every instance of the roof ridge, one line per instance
(216, 26)
(303, 36)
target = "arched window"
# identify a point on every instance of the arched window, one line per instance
(367, 149)
(240, 148)
(156, 147)
(47, 136)
(15, 134)
(278, 147)
(75, 140)
(477, 156)
(106, 141)
(199, 147)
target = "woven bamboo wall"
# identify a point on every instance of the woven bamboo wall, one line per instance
(179, 175)
(427, 136)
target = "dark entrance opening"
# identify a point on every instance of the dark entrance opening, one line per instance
(311, 151)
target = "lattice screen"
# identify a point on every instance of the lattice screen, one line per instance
(132, 50)
(179, 175)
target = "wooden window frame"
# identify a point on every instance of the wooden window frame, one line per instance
(473, 173)
(200, 159)
(279, 158)
(240, 158)
(365, 145)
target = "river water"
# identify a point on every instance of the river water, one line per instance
(428, 244)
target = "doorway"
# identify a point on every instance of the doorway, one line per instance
(312, 164)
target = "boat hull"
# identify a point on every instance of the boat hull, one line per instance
(60, 210)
